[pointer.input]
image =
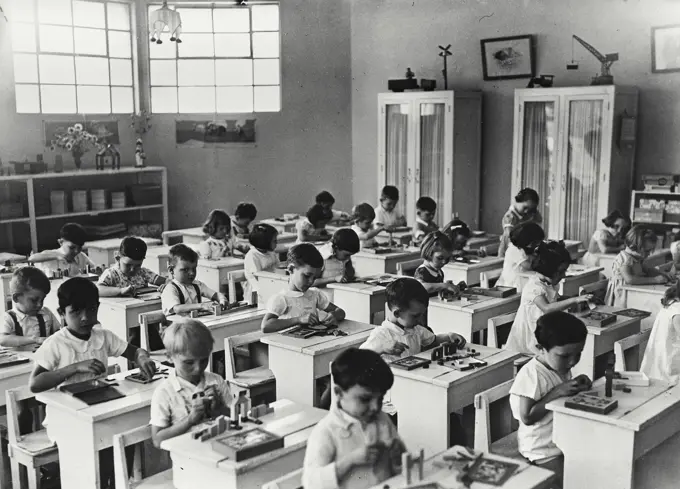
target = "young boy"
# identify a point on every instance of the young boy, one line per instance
(244, 214)
(128, 275)
(337, 256)
(356, 445)
(183, 293)
(175, 408)
(363, 216)
(326, 200)
(69, 257)
(560, 338)
(313, 227)
(387, 214)
(300, 303)
(425, 211)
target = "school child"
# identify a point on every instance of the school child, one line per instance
(539, 296)
(675, 249)
(459, 233)
(300, 303)
(363, 216)
(426, 209)
(523, 241)
(261, 256)
(80, 352)
(219, 241)
(387, 214)
(244, 215)
(174, 408)
(69, 257)
(560, 339)
(523, 209)
(313, 227)
(127, 274)
(184, 293)
(435, 251)
(607, 240)
(355, 446)
(326, 200)
(662, 355)
(337, 256)
(629, 268)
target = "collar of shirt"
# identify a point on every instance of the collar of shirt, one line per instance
(95, 342)
(293, 293)
(326, 251)
(543, 280)
(398, 329)
(420, 221)
(178, 383)
(20, 315)
(427, 265)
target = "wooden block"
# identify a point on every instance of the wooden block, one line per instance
(410, 363)
(247, 444)
(591, 404)
(600, 319)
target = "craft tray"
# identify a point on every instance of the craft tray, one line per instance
(92, 391)
(497, 292)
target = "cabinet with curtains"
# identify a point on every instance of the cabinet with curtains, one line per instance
(429, 144)
(575, 146)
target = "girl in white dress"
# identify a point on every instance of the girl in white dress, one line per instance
(523, 241)
(609, 239)
(662, 355)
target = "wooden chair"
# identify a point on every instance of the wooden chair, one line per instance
(502, 439)
(490, 276)
(168, 236)
(147, 319)
(162, 480)
(630, 351)
(504, 321)
(258, 381)
(288, 481)
(408, 268)
(237, 276)
(32, 450)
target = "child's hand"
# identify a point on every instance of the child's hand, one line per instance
(452, 287)
(39, 340)
(222, 299)
(457, 339)
(92, 366)
(568, 388)
(395, 450)
(206, 306)
(129, 290)
(660, 279)
(584, 298)
(146, 366)
(309, 319)
(330, 320)
(481, 252)
(583, 381)
(367, 455)
(197, 412)
(396, 349)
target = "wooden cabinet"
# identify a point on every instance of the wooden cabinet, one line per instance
(576, 147)
(429, 144)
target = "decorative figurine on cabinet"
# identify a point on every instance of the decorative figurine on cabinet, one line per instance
(140, 155)
(108, 155)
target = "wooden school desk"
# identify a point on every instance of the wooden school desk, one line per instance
(457, 271)
(196, 464)
(605, 260)
(186, 236)
(646, 298)
(607, 450)
(297, 363)
(487, 239)
(270, 284)
(425, 398)
(16, 375)
(577, 276)
(400, 237)
(81, 431)
(283, 226)
(103, 251)
(367, 264)
(11, 257)
(214, 273)
(360, 301)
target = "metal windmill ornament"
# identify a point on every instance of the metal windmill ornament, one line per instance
(445, 53)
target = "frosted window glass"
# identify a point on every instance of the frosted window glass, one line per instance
(118, 16)
(196, 19)
(265, 44)
(92, 71)
(121, 72)
(196, 100)
(196, 72)
(163, 72)
(266, 71)
(25, 68)
(90, 41)
(88, 14)
(56, 39)
(196, 46)
(231, 20)
(267, 99)
(167, 50)
(164, 100)
(122, 100)
(232, 45)
(54, 12)
(21, 11)
(58, 99)
(56, 69)
(119, 44)
(265, 17)
(94, 100)
(234, 100)
(234, 72)
(23, 37)
(27, 98)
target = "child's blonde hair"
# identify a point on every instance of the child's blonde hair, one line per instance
(188, 336)
(638, 236)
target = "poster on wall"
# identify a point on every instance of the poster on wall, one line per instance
(666, 49)
(106, 131)
(205, 134)
(505, 58)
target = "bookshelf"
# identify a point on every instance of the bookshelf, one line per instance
(662, 221)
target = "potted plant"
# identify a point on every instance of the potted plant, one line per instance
(76, 140)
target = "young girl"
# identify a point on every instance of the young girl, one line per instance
(363, 216)
(313, 227)
(675, 249)
(436, 252)
(459, 233)
(609, 239)
(522, 210)
(261, 256)
(220, 242)
(523, 241)
(662, 355)
(629, 268)
(539, 296)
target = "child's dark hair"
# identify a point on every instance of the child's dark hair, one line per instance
(245, 210)
(426, 204)
(132, 247)
(216, 218)
(433, 242)
(325, 197)
(457, 228)
(559, 328)
(638, 235)
(26, 278)
(613, 216)
(389, 192)
(180, 251)
(527, 195)
(317, 214)
(346, 240)
(363, 212)
(305, 254)
(75, 233)
(671, 295)
(262, 235)
(527, 236)
(402, 291)
(79, 293)
(549, 257)
(366, 368)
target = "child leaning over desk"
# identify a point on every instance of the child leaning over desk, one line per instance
(313, 226)
(609, 239)
(261, 256)
(219, 242)
(435, 250)
(326, 200)
(523, 209)
(523, 241)
(363, 216)
(337, 256)
(69, 257)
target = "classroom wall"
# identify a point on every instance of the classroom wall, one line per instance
(390, 35)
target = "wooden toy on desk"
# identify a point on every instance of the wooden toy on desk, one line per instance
(216, 428)
(499, 292)
(408, 461)
(411, 363)
(591, 403)
(246, 444)
(600, 319)
(609, 377)
(437, 353)
(238, 410)
(258, 411)
(634, 313)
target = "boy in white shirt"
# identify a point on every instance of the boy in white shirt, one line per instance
(387, 214)
(69, 257)
(426, 208)
(363, 216)
(337, 256)
(262, 256)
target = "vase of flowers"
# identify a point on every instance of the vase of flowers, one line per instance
(76, 140)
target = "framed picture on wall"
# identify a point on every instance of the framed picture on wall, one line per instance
(504, 58)
(666, 49)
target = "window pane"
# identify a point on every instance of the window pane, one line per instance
(265, 44)
(164, 100)
(56, 39)
(234, 100)
(196, 19)
(58, 99)
(56, 69)
(266, 71)
(92, 71)
(90, 41)
(54, 12)
(232, 45)
(196, 72)
(122, 100)
(121, 72)
(267, 99)
(164, 72)
(28, 99)
(119, 44)
(118, 16)
(23, 37)
(234, 72)
(21, 11)
(94, 100)
(265, 17)
(196, 100)
(25, 68)
(88, 14)
(231, 20)
(196, 46)
(166, 50)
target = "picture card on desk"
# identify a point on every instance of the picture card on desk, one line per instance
(247, 444)
(489, 471)
(92, 392)
(634, 313)
(9, 359)
(410, 363)
(591, 403)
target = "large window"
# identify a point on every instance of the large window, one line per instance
(72, 56)
(227, 62)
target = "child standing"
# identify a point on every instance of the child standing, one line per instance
(174, 408)
(219, 242)
(300, 303)
(560, 337)
(609, 239)
(435, 251)
(662, 360)
(183, 294)
(313, 227)
(387, 214)
(244, 215)
(363, 216)
(523, 241)
(356, 445)
(261, 256)
(523, 209)
(337, 256)
(426, 208)
(539, 296)
(69, 257)
(326, 200)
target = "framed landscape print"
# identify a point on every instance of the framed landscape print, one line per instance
(666, 49)
(505, 58)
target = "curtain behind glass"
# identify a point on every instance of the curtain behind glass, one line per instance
(432, 164)
(396, 150)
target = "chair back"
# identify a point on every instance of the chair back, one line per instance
(12, 398)
(490, 277)
(234, 277)
(493, 416)
(288, 481)
(121, 441)
(231, 343)
(499, 329)
(629, 351)
(147, 319)
(408, 268)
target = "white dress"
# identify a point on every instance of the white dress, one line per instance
(662, 355)
(513, 263)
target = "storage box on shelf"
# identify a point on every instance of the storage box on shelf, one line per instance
(80, 203)
(656, 208)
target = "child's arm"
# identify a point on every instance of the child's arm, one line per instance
(438, 287)
(440, 339)
(605, 246)
(187, 308)
(632, 279)
(372, 233)
(272, 324)
(547, 307)
(337, 313)
(196, 415)
(14, 341)
(532, 411)
(42, 379)
(47, 255)
(141, 357)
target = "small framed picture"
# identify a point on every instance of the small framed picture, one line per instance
(490, 471)
(410, 363)
(666, 49)
(505, 58)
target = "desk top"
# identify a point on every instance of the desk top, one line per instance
(621, 321)
(11, 257)
(483, 303)
(290, 420)
(358, 287)
(406, 252)
(659, 289)
(317, 345)
(21, 369)
(482, 262)
(114, 243)
(226, 262)
(131, 302)
(212, 321)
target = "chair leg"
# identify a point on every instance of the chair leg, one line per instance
(16, 473)
(33, 474)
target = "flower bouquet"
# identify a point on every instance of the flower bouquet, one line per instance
(76, 140)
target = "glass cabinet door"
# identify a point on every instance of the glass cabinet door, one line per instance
(396, 150)
(432, 179)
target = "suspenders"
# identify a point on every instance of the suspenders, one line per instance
(19, 330)
(182, 300)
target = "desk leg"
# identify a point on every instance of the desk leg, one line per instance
(294, 374)
(78, 456)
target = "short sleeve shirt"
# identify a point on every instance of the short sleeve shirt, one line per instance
(364, 242)
(512, 265)
(387, 334)
(428, 275)
(422, 229)
(170, 297)
(304, 227)
(214, 249)
(114, 277)
(626, 258)
(387, 218)
(332, 266)
(75, 267)
(30, 326)
(291, 303)
(256, 261)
